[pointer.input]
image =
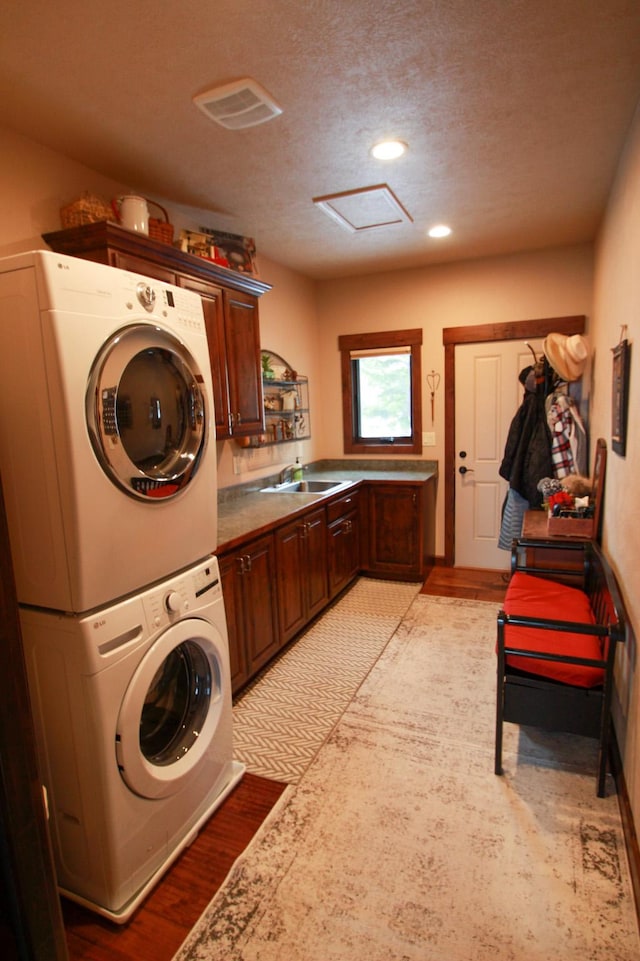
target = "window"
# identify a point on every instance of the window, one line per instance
(381, 395)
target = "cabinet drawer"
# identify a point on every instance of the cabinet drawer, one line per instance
(348, 502)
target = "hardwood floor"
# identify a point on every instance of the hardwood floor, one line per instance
(157, 929)
(472, 584)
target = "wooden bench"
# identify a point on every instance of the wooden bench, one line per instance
(556, 647)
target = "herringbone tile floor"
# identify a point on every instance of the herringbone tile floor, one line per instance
(282, 720)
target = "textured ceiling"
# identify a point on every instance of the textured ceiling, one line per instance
(515, 111)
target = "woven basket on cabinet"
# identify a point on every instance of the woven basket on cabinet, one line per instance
(88, 209)
(160, 230)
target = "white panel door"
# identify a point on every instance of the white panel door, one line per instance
(488, 394)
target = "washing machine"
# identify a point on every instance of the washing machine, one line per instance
(106, 430)
(132, 712)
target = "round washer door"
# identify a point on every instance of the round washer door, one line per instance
(146, 412)
(172, 709)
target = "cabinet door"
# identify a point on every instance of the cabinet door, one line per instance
(242, 335)
(315, 537)
(248, 586)
(213, 307)
(301, 551)
(232, 594)
(291, 579)
(395, 531)
(260, 607)
(343, 543)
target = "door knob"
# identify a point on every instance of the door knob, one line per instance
(465, 470)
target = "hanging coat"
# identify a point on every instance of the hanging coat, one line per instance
(527, 453)
(568, 433)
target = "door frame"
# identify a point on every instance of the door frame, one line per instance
(478, 334)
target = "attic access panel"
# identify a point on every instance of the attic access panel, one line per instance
(364, 208)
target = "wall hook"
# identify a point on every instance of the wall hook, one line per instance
(433, 382)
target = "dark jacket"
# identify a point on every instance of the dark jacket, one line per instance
(527, 452)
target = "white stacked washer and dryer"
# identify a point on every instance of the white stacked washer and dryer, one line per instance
(109, 477)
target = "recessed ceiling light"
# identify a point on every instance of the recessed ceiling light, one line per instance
(388, 150)
(440, 230)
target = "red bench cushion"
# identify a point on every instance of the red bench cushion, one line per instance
(536, 597)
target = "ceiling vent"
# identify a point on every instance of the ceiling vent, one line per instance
(237, 105)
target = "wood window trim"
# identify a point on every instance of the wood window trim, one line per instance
(380, 340)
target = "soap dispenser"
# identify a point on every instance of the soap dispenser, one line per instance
(297, 471)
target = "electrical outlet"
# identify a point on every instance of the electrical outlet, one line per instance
(429, 439)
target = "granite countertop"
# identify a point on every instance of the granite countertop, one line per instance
(243, 510)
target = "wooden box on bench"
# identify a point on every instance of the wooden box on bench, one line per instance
(582, 527)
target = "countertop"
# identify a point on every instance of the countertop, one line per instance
(244, 511)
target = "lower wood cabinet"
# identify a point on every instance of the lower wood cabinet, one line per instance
(343, 542)
(248, 578)
(275, 584)
(400, 525)
(301, 559)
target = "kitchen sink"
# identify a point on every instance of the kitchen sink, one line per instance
(304, 487)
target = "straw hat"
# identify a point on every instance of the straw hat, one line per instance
(567, 355)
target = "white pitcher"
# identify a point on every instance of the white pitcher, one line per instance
(133, 213)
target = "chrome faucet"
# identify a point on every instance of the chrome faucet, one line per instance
(289, 469)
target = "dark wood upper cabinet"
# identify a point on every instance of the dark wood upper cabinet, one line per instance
(230, 304)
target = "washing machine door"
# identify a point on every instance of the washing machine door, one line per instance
(146, 412)
(172, 709)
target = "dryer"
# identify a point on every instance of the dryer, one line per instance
(132, 712)
(106, 430)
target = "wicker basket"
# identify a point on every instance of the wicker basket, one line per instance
(89, 209)
(160, 230)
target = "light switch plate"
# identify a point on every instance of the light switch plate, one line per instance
(429, 439)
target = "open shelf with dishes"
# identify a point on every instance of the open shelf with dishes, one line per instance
(286, 402)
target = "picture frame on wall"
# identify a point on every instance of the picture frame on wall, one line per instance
(620, 397)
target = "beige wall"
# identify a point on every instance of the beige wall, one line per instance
(617, 303)
(548, 283)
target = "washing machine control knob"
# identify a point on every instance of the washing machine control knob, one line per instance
(146, 295)
(173, 602)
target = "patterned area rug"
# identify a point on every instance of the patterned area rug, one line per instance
(400, 844)
(282, 720)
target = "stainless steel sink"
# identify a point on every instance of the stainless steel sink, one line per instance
(304, 487)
